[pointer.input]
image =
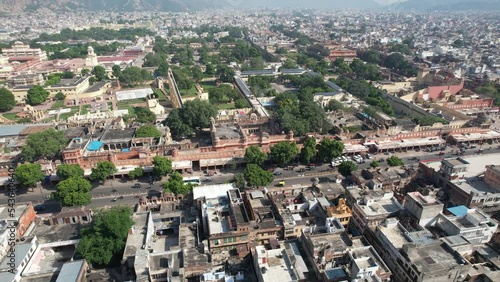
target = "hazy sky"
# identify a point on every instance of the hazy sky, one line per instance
(387, 1)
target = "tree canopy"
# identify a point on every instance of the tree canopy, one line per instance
(394, 161)
(36, 95)
(105, 238)
(330, 149)
(222, 94)
(148, 131)
(46, 144)
(346, 168)
(132, 76)
(284, 152)
(254, 155)
(176, 185)
(144, 115)
(162, 166)
(65, 171)
(224, 73)
(308, 151)
(8, 100)
(192, 116)
(99, 73)
(102, 171)
(136, 173)
(74, 191)
(29, 174)
(256, 176)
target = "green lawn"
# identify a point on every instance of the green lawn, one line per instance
(57, 104)
(130, 102)
(207, 85)
(226, 106)
(11, 116)
(130, 109)
(160, 94)
(85, 109)
(65, 116)
(189, 93)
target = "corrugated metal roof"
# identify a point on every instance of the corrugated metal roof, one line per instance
(69, 271)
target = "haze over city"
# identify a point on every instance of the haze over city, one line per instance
(229, 140)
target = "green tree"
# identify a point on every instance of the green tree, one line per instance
(8, 100)
(394, 161)
(105, 238)
(65, 171)
(374, 164)
(176, 185)
(60, 96)
(256, 176)
(74, 191)
(162, 166)
(308, 151)
(29, 174)
(330, 149)
(84, 72)
(239, 181)
(117, 71)
(46, 144)
(284, 152)
(224, 73)
(197, 113)
(178, 128)
(241, 103)
(36, 95)
(102, 171)
(209, 69)
(148, 131)
(136, 173)
(197, 73)
(346, 168)
(254, 155)
(162, 69)
(68, 75)
(144, 115)
(99, 73)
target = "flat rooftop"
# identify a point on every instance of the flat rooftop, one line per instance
(118, 135)
(211, 191)
(226, 132)
(464, 137)
(433, 257)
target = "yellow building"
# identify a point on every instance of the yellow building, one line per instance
(341, 211)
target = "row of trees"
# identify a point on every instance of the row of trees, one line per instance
(96, 33)
(282, 154)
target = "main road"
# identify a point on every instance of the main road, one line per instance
(103, 195)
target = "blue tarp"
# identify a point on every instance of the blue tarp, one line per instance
(458, 210)
(95, 146)
(125, 150)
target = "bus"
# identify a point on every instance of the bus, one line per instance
(192, 179)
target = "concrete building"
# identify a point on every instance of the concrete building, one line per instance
(471, 224)
(80, 215)
(24, 216)
(21, 51)
(74, 271)
(464, 180)
(414, 255)
(283, 264)
(367, 265)
(424, 208)
(370, 210)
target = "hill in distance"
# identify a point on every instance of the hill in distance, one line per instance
(447, 5)
(18, 6)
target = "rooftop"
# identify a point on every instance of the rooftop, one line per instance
(70, 270)
(211, 191)
(118, 135)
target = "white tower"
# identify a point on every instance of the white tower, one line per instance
(91, 60)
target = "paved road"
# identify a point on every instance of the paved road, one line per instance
(103, 194)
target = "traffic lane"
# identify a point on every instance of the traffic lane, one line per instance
(128, 201)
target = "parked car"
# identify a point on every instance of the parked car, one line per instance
(137, 185)
(278, 173)
(114, 200)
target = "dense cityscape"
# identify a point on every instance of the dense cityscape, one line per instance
(251, 144)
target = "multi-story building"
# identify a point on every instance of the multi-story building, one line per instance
(284, 264)
(228, 224)
(21, 51)
(370, 208)
(416, 256)
(341, 211)
(471, 224)
(264, 221)
(423, 208)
